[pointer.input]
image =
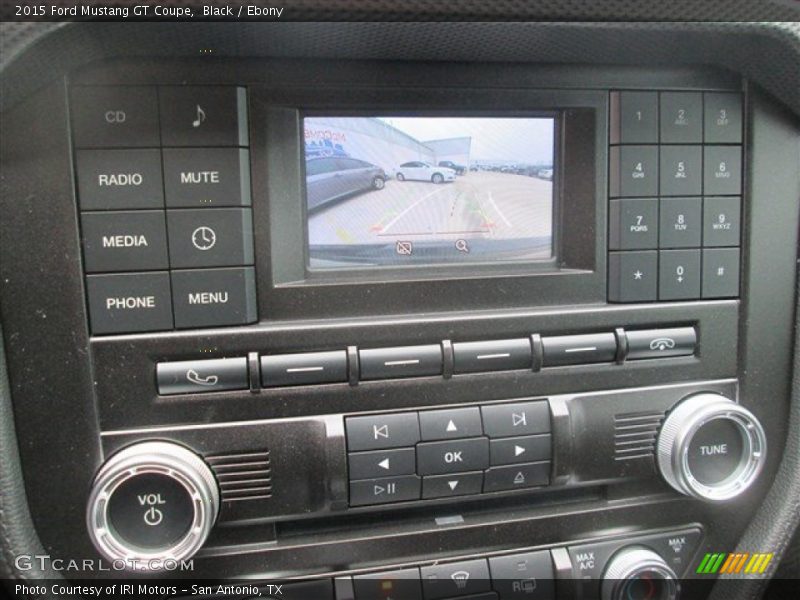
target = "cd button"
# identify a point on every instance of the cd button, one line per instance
(443, 486)
(579, 349)
(405, 361)
(507, 420)
(451, 423)
(496, 355)
(114, 116)
(214, 297)
(384, 490)
(306, 368)
(119, 179)
(509, 451)
(203, 116)
(206, 177)
(382, 463)
(436, 458)
(192, 376)
(124, 241)
(377, 432)
(514, 477)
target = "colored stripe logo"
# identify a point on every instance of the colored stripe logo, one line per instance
(734, 563)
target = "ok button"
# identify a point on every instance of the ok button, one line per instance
(439, 458)
(151, 511)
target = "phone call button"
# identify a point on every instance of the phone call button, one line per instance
(193, 376)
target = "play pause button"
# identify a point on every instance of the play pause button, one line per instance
(443, 486)
(384, 490)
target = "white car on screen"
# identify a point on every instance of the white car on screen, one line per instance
(421, 171)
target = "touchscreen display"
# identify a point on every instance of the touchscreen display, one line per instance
(428, 190)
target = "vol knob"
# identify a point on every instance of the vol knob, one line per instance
(711, 448)
(638, 573)
(151, 503)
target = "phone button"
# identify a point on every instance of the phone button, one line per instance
(193, 376)
(661, 343)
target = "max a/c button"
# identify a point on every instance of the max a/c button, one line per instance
(192, 376)
(129, 302)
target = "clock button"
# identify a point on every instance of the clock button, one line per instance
(210, 237)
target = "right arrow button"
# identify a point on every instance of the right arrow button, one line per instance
(515, 450)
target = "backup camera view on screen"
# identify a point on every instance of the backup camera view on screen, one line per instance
(428, 190)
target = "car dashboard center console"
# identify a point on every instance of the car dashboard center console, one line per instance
(341, 321)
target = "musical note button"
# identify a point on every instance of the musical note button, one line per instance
(201, 116)
(193, 116)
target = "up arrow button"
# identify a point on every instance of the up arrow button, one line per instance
(450, 424)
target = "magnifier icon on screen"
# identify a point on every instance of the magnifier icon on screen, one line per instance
(462, 246)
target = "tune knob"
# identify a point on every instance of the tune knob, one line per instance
(711, 448)
(152, 503)
(638, 573)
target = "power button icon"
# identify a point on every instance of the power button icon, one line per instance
(153, 516)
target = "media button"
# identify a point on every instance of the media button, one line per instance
(455, 579)
(210, 237)
(507, 420)
(384, 490)
(129, 302)
(382, 463)
(445, 486)
(450, 423)
(214, 297)
(436, 458)
(509, 451)
(206, 177)
(104, 117)
(513, 477)
(124, 241)
(119, 179)
(377, 432)
(193, 376)
(203, 116)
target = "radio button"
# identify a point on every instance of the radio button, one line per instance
(203, 116)
(499, 479)
(129, 302)
(437, 458)
(679, 275)
(455, 579)
(377, 432)
(681, 170)
(444, 486)
(681, 117)
(579, 349)
(451, 423)
(104, 117)
(382, 463)
(119, 179)
(124, 241)
(680, 222)
(721, 217)
(214, 297)
(634, 118)
(404, 361)
(633, 224)
(306, 368)
(206, 177)
(661, 343)
(507, 420)
(633, 171)
(722, 170)
(632, 276)
(193, 376)
(495, 355)
(721, 273)
(384, 490)
(210, 237)
(510, 451)
(723, 118)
